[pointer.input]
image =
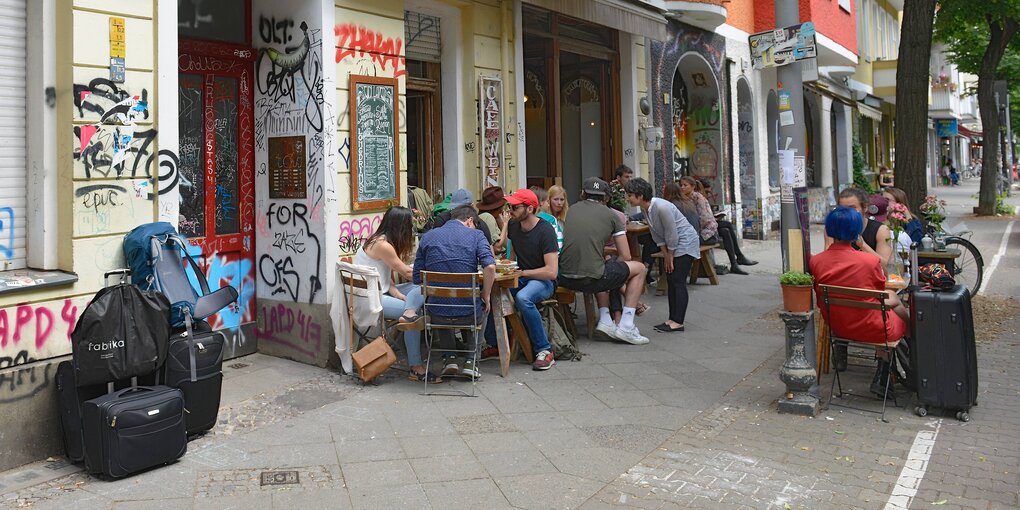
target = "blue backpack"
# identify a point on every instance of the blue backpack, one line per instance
(153, 251)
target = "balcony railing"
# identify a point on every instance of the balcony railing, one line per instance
(945, 100)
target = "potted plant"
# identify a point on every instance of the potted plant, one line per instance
(796, 291)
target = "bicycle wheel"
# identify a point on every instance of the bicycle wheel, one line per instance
(970, 267)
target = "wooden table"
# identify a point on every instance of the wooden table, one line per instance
(634, 230)
(503, 310)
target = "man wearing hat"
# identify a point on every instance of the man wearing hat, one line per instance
(457, 199)
(489, 208)
(583, 266)
(537, 252)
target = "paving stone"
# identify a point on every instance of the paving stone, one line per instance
(338, 499)
(155, 504)
(479, 493)
(520, 462)
(384, 448)
(547, 491)
(403, 496)
(382, 473)
(446, 468)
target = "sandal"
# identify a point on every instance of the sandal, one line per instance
(642, 308)
(407, 319)
(432, 378)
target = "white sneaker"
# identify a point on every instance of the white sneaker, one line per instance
(631, 336)
(451, 368)
(608, 329)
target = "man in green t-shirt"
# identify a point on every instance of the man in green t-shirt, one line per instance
(583, 266)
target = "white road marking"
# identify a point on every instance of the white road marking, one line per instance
(997, 257)
(913, 469)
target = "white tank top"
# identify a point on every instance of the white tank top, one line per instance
(363, 259)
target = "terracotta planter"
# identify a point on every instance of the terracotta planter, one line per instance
(797, 298)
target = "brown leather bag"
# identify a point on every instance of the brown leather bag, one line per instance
(373, 359)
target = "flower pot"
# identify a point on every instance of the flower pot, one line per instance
(797, 298)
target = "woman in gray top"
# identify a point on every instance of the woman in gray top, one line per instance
(678, 242)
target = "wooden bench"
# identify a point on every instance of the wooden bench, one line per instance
(703, 267)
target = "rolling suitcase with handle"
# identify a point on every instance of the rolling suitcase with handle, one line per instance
(943, 350)
(70, 398)
(202, 389)
(133, 429)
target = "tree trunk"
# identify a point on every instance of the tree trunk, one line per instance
(911, 103)
(1001, 32)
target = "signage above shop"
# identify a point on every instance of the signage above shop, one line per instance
(782, 46)
(490, 127)
(945, 128)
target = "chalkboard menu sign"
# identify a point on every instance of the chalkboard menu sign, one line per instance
(287, 167)
(375, 178)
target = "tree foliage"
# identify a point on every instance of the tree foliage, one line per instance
(980, 38)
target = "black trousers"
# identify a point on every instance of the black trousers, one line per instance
(729, 239)
(676, 287)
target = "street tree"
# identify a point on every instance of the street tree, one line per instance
(912, 107)
(978, 35)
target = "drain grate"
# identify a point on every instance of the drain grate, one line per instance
(238, 366)
(280, 478)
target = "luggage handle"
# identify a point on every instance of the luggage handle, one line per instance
(124, 274)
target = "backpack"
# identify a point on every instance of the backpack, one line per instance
(562, 343)
(935, 277)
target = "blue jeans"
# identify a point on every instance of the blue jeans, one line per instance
(393, 308)
(527, 295)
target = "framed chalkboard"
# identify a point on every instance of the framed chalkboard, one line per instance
(375, 164)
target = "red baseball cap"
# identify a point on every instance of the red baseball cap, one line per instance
(523, 196)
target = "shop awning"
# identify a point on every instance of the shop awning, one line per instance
(625, 16)
(869, 112)
(969, 133)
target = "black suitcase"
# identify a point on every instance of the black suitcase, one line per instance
(201, 396)
(943, 351)
(133, 429)
(69, 400)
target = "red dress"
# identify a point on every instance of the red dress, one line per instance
(846, 267)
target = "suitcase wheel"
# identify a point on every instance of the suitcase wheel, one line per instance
(921, 411)
(963, 416)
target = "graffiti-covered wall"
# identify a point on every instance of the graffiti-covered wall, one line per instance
(295, 177)
(702, 121)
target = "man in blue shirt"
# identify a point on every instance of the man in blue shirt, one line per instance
(457, 247)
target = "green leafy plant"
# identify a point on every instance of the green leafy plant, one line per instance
(860, 181)
(796, 278)
(1001, 207)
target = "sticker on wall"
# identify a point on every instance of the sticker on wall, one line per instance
(786, 118)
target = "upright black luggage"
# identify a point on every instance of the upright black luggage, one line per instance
(201, 392)
(133, 429)
(943, 351)
(69, 400)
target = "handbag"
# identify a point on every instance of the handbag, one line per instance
(373, 359)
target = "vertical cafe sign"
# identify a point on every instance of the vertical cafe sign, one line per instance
(490, 127)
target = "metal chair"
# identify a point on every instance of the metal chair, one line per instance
(857, 300)
(456, 295)
(356, 287)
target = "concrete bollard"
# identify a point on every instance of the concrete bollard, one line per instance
(798, 371)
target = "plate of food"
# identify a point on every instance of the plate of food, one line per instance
(506, 265)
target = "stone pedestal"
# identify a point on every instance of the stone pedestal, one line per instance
(798, 372)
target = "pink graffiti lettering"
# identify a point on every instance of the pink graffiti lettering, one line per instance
(23, 316)
(293, 328)
(359, 227)
(358, 41)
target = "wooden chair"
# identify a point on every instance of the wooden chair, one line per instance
(703, 267)
(466, 317)
(856, 300)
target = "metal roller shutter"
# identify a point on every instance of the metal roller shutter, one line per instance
(13, 171)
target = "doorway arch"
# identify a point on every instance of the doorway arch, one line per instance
(746, 155)
(697, 124)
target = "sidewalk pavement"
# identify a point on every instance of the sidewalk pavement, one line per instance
(688, 420)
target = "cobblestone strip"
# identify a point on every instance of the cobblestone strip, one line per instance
(913, 469)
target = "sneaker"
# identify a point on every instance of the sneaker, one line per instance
(490, 352)
(451, 368)
(469, 370)
(543, 360)
(608, 329)
(631, 336)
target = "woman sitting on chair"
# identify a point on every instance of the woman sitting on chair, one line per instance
(386, 250)
(841, 265)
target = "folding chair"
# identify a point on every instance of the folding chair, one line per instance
(356, 287)
(449, 292)
(888, 347)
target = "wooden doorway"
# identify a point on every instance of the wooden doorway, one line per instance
(425, 128)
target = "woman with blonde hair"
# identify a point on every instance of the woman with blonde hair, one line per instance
(558, 205)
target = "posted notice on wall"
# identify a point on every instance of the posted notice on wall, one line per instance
(793, 173)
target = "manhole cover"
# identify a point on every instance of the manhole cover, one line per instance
(280, 477)
(237, 366)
